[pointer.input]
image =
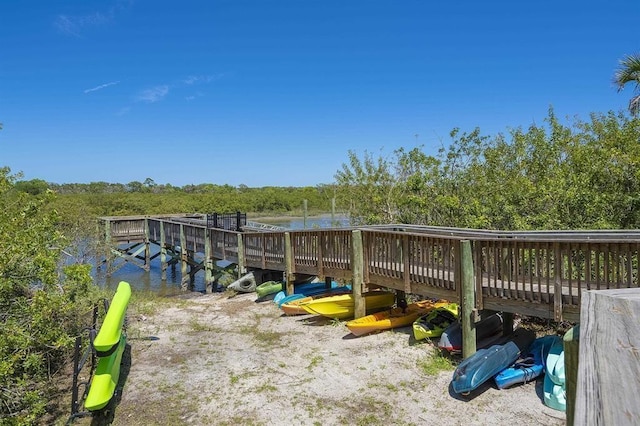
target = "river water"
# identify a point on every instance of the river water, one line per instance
(152, 280)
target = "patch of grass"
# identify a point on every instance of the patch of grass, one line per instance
(314, 362)
(434, 363)
(263, 338)
(391, 387)
(335, 322)
(265, 387)
(197, 326)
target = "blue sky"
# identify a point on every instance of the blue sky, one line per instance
(275, 92)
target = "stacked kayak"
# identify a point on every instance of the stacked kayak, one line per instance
(488, 331)
(109, 345)
(343, 306)
(393, 318)
(528, 367)
(554, 388)
(434, 323)
(486, 363)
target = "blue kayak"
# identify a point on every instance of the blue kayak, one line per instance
(486, 363)
(307, 289)
(528, 367)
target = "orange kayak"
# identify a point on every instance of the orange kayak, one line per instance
(392, 318)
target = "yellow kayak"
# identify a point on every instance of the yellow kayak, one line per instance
(434, 323)
(294, 307)
(343, 306)
(396, 317)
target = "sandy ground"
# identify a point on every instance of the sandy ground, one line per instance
(211, 359)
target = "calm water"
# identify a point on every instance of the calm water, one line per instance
(295, 223)
(151, 281)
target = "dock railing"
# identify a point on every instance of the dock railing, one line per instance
(540, 273)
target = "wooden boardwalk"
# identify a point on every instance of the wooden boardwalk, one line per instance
(539, 273)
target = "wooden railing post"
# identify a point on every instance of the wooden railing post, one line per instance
(468, 299)
(242, 266)
(290, 275)
(557, 284)
(108, 255)
(357, 263)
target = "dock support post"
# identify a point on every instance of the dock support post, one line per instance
(357, 263)
(147, 246)
(208, 262)
(242, 267)
(290, 275)
(507, 323)
(184, 256)
(467, 300)
(163, 253)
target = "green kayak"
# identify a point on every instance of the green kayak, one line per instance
(268, 287)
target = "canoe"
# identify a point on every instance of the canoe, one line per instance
(294, 305)
(105, 378)
(343, 306)
(486, 363)
(393, 318)
(109, 334)
(434, 323)
(529, 366)
(488, 331)
(268, 287)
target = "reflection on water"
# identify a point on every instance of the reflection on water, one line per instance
(152, 281)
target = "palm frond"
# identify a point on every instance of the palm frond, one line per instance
(628, 71)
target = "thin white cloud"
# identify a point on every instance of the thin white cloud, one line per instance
(154, 94)
(73, 25)
(200, 79)
(102, 86)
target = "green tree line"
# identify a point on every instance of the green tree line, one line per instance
(578, 175)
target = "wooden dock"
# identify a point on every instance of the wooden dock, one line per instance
(538, 273)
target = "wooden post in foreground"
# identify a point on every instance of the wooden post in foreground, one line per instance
(357, 264)
(468, 299)
(609, 367)
(290, 275)
(571, 343)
